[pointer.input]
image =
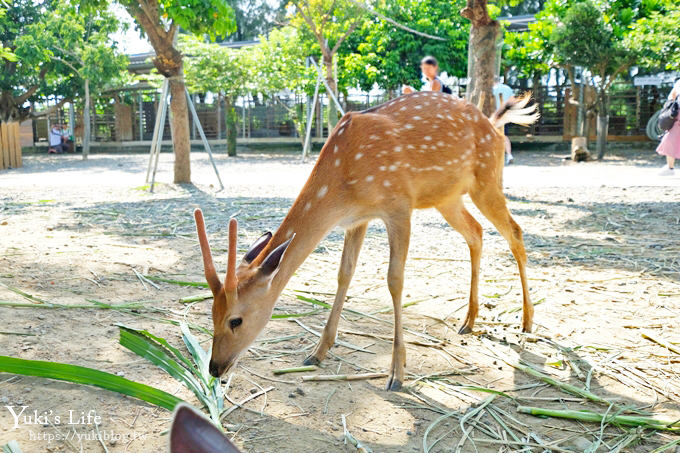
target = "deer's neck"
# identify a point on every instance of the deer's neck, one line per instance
(315, 212)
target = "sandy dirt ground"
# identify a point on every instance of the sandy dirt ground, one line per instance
(602, 240)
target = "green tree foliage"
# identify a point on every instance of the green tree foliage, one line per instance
(255, 17)
(383, 54)
(604, 38)
(227, 72)
(5, 52)
(160, 21)
(281, 67)
(656, 38)
(329, 23)
(57, 48)
(594, 41)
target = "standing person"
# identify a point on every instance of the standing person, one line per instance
(430, 69)
(670, 142)
(56, 140)
(502, 93)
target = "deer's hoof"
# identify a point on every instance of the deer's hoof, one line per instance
(393, 385)
(311, 360)
(465, 330)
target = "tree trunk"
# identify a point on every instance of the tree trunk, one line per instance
(231, 121)
(86, 121)
(179, 117)
(168, 62)
(602, 124)
(330, 79)
(218, 115)
(482, 55)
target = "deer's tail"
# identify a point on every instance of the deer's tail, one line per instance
(515, 110)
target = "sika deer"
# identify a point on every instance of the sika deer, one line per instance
(418, 151)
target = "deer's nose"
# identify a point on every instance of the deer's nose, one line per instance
(214, 369)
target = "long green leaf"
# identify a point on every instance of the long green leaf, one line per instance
(161, 342)
(195, 349)
(216, 400)
(154, 352)
(177, 282)
(88, 376)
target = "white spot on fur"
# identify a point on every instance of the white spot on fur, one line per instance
(427, 138)
(418, 107)
(337, 162)
(322, 192)
(369, 178)
(392, 168)
(397, 149)
(417, 118)
(408, 126)
(354, 181)
(386, 183)
(335, 150)
(374, 137)
(358, 156)
(440, 143)
(383, 168)
(308, 206)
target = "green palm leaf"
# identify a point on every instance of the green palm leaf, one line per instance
(88, 376)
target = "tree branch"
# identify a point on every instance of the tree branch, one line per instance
(349, 31)
(394, 22)
(62, 61)
(51, 109)
(19, 100)
(618, 71)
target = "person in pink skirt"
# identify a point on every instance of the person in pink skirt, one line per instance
(670, 142)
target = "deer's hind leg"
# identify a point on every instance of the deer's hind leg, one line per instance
(398, 234)
(460, 220)
(354, 238)
(491, 202)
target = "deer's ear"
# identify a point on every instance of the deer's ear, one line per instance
(192, 432)
(257, 247)
(272, 261)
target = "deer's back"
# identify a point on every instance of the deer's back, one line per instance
(421, 149)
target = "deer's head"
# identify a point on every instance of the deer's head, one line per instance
(242, 305)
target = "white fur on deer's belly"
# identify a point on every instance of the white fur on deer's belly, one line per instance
(426, 154)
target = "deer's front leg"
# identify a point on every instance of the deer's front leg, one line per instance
(354, 238)
(398, 232)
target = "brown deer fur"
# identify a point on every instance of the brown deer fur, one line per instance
(418, 151)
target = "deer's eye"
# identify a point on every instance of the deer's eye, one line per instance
(234, 323)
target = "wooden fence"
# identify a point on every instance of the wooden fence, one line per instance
(10, 146)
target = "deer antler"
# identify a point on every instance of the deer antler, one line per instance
(230, 281)
(208, 265)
